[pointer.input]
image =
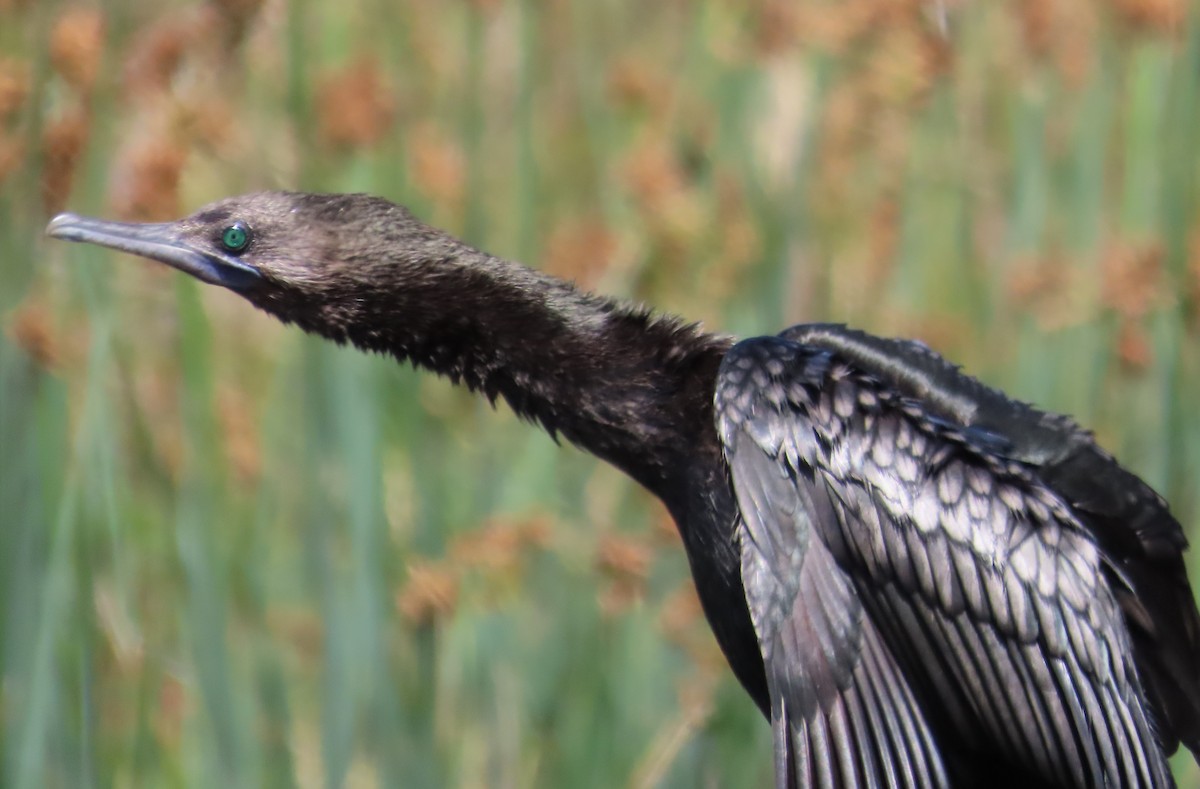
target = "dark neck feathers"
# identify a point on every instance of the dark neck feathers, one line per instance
(621, 383)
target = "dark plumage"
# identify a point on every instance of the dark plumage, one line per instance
(919, 581)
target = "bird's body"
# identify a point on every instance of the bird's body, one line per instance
(919, 581)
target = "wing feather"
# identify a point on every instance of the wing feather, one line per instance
(1055, 755)
(1128, 520)
(831, 678)
(872, 753)
(906, 579)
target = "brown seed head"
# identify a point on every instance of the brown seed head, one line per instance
(207, 121)
(1134, 350)
(1133, 278)
(633, 84)
(1153, 16)
(776, 27)
(618, 597)
(12, 154)
(429, 594)
(235, 16)
(155, 55)
(76, 43)
(1063, 31)
(148, 187)
(1052, 289)
(902, 67)
(625, 561)
(581, 250)
(1038, 24)
(624, 557)
(14, 86)
(653, 174)
(32, 329)
(438, 166)
(62, 144)
(355, 106)
(501, 545)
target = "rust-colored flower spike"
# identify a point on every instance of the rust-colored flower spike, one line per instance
(625, 561)
(777, 25)
(653, 174)
(616, 598)
(14, 91)
(580, 250)
(1064, 32)
(355, 107)
(1133, 347)
(148, 187)
(235, 17)
(207, 121)
(431, 593)
(1047, 288)
(901, 68)
(438, 166)
(14, 86)
(1133, 279)
(624, 557)
(12, 154)
(1038, 24)
(155, 55)
(32, 329)
(497, 547)
(62, 144)
(1155, 16)
(634, 84)
(76, 43)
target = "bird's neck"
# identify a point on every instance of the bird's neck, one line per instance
(629, 387)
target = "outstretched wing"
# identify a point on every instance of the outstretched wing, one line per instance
(1129, 521)
(842, 712)
(900, 570)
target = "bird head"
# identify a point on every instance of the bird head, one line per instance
(308, 258)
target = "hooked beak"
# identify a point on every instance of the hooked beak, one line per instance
(161, 242)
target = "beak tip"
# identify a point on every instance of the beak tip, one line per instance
(61, 226)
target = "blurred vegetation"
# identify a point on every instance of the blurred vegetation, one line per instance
(231, 555)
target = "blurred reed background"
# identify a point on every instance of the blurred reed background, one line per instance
(234, 556)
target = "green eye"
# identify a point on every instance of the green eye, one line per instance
(236, 237)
